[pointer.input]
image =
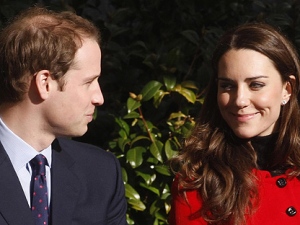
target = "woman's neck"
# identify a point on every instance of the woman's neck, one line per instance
(264, 147)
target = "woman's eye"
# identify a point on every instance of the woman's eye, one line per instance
(226, 86)
(256, 85)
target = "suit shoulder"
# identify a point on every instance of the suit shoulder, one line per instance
(80, 150)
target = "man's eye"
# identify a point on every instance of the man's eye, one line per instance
(89, 82)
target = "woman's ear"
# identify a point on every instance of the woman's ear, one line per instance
(288, 89)
(42, 80)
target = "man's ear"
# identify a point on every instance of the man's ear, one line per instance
(43, 81)
(288, 88)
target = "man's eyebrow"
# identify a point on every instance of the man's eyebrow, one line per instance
(93, 77)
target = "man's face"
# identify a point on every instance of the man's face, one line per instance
(71, 109)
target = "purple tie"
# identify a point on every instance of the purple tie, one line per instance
(39, 193)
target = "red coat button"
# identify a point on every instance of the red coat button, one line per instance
(281, 182)
(291, 211)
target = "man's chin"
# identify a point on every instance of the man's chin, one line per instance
(77, 133)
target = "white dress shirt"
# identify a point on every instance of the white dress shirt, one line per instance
(20, 153)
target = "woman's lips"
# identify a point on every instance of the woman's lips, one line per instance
(244, 117)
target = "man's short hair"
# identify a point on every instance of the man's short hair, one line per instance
(39, 39)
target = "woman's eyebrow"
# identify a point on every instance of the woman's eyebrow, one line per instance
(247, 79)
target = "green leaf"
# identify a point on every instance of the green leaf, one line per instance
(155, 149)
(158, 97)
(95, 114)
(112, 144)
(118, 155)
(152, 160)
(138, 138)
(130, 192)
(129, 220)
(151, 188)
(150, 90)
(177, 115)
(163, 169)
(122, 142)
(186, 129)
(134, 122)
(192, 36)
(124, 175)
(123, 134)
(188, 94)
(159, 216)
(165, 196)
(123, 125)
(149, 126)
(155, 134)
(170, 149)
(148, 178)
(154, 208)
(132, 105)
(135, 156)
(137, 204)
(170, 82)
(132, 115)
(189, 84)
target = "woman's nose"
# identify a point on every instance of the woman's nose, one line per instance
(242, 97)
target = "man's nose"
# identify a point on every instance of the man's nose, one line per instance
(98, 98)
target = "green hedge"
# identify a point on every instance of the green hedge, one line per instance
(156, 62)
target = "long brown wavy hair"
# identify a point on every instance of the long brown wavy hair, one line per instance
(216, 162)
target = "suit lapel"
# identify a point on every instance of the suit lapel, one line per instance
(64, 186)
(14, 206)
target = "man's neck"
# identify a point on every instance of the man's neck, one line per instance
(26, 124)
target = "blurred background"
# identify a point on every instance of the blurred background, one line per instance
(155, 66)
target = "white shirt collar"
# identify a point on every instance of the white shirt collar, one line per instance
(19, 152)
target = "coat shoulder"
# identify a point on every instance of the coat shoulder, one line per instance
(85, 153)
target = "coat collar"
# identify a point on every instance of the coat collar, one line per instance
(65, 185)
(65, 190)
(14, 207)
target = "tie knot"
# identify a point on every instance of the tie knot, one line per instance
(38, 164)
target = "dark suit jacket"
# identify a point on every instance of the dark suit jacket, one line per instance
(86, 184)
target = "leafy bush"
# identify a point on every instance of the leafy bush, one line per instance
(155, 65)
(144, 145)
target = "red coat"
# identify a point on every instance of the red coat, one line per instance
(279, 202)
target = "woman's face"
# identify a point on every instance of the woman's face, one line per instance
(250, 92)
